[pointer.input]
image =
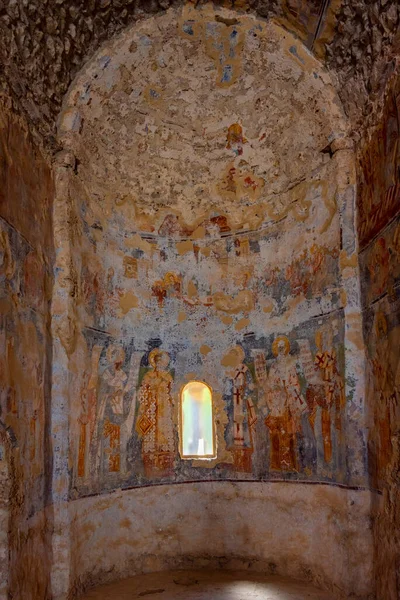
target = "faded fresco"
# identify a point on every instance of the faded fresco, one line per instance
(283, 400)
(26, 191)
(243, 159)
(231, 261)
(304, 15)
(381, 265)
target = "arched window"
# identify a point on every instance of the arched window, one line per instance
(197, 421)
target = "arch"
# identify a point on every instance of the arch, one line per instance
(197, 431)
(191, 189)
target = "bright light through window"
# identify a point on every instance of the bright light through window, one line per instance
(197, 421)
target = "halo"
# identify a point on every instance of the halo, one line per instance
(239, 352)
(276, 341)
(171, 278)
(164, 358)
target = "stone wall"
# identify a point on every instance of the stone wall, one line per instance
(212, 245)
(363, 55)
(379, 231)
(43, 44)
(26, 191)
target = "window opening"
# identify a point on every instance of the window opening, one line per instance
(197, 421)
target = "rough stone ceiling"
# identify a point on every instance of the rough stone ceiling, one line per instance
(43, 43)
(231, 142)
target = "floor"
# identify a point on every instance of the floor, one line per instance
(210, 585)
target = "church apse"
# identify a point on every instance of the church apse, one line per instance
(211, 239)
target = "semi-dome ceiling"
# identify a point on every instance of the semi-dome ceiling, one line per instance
(44, 43)
(197, 118)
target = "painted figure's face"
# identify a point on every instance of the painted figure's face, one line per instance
(281, 348)
(130, 268)
(159, 360)
(116, 356)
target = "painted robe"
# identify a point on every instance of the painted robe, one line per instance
(117, 425)
(108, 412)
(332, 398)
(286, 406)
(244, 419)
(155, 423)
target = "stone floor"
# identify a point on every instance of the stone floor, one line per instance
(210, 585)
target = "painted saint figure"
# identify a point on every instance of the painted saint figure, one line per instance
(244, 415)
(286, 405)
(155, 419)
(111, 405)
(235, 139)
(332, 398)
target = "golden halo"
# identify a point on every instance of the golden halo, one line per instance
(163, 358)
(171, 278)
(280, 338)
(238, 350)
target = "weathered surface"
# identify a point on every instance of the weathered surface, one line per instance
(44, 43)
(363, 53)
(379, 224)
(315, 533)
(230, 260)
(26, 191)
(204, 223)
(235, 122)
(237, 235)
(5, 489)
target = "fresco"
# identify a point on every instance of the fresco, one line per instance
(278, 272)
(231, 261)
(22, 343)
(283, 399)
(232, 163)
(306, 14)
(379, 202)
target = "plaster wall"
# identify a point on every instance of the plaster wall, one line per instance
(310, 532)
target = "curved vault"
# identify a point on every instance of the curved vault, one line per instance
(207, 226)
(213, 191)
(231, 118)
